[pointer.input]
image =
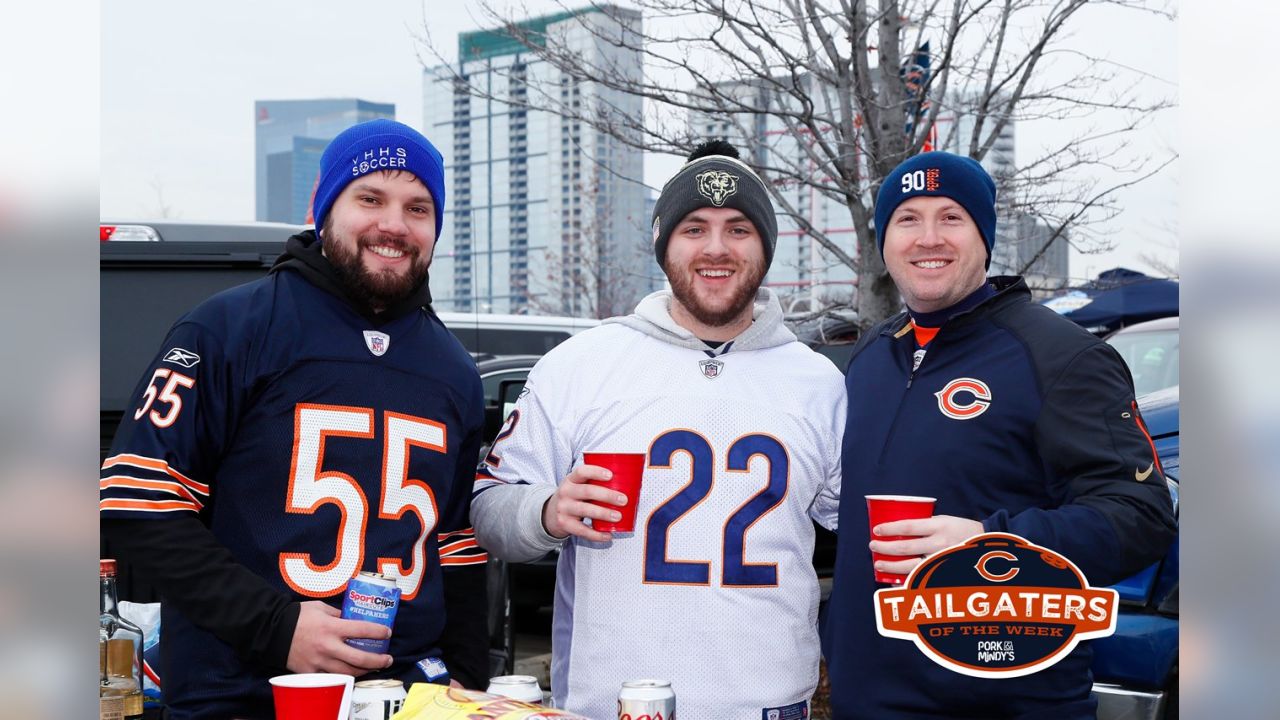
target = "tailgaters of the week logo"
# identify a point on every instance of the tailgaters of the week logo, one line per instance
(996, 606)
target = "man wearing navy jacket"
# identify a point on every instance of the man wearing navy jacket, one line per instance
(1013, 417)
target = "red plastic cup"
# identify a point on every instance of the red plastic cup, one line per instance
(312, 696)
(887, 508)
(627, 469)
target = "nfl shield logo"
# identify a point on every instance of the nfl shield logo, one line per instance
(711, 368)
(377, 342)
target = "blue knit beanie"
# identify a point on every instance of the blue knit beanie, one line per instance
(940, 174)
(372, 146)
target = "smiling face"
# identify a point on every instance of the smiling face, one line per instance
(934, 252)
(715, 262)
(379, 236)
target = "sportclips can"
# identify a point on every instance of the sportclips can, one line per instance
(374, 598)
(646, 700)
(377, 699)
(517, 687)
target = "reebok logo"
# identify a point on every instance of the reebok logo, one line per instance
(179, 356)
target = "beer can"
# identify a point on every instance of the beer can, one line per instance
(517, 687)
(646, 700)
(374, 598)
(376, 699)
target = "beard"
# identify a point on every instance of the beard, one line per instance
(742, 298)
(377, 289)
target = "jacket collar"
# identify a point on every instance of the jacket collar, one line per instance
(1009, 289)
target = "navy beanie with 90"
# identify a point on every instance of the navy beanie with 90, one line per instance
(373, 146)
(940, 174)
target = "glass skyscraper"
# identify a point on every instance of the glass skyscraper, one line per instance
(289, 137)
(546, 215)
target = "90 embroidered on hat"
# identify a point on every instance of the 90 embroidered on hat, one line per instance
(940, 174)
(373, 146)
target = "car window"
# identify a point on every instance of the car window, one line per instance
(492, 382)
(838, 354)
(1152, 358)
(508, 341)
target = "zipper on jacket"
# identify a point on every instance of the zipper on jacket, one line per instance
(902, 401)
(911, 376)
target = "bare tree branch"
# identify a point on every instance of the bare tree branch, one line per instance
(827, 96)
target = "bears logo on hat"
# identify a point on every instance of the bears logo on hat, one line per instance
(714, 177)
(717, 186)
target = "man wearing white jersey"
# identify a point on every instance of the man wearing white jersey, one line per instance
(715, 590)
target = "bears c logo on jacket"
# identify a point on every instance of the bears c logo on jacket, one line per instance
(964, 398)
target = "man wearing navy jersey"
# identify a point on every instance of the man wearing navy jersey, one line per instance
(1014, 418)
(297, 430)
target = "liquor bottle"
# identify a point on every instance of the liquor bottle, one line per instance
(119, 654)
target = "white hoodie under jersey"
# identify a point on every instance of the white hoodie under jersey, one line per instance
(715, 590)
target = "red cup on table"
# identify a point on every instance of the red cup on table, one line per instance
(887, 508)
(627, 469)
(312, 696)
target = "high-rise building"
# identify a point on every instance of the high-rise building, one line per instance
(546, 215)
(804, 274)
(289, 137)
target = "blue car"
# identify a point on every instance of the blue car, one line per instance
(1135, 671)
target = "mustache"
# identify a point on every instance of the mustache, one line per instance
(364, 241)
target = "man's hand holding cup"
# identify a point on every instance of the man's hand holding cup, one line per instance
(606, 489)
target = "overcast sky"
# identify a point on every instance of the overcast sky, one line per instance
(179, 81)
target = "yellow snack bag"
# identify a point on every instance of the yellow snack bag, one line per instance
(437, 702)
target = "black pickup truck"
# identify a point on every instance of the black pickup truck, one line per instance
(151, 274)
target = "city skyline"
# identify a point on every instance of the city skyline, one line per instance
(289, 138)
(174, 138)
(536, 225)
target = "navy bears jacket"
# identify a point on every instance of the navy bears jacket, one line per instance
(1015, 417)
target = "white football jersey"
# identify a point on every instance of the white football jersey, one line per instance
(715, 590)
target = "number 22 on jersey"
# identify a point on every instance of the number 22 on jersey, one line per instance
(735, 570)
(310, 488)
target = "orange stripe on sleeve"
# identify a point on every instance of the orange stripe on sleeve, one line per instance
(145, 505)
(466, 560)
(158, 465)
(174, 488)
(458, 546)
(1143, 427)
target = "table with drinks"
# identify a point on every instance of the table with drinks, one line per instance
(332, 696)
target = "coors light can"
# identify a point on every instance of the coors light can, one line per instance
(376, 699)
(517, 687)
(646, 700)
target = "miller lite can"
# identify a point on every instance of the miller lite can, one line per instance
(646, 700)
(517, 687)
(377, 699)
(374, 598)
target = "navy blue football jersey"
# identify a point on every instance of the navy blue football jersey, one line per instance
(314, 445)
